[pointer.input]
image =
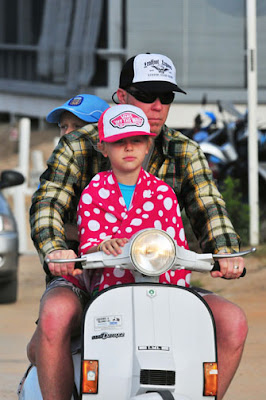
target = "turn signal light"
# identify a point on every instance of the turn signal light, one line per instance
(90, 376)
(210, 379)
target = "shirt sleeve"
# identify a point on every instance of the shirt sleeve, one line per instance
(205, 206)
(55, 201)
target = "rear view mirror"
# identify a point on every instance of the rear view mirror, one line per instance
(11, 178)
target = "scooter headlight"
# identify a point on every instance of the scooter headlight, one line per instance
(153, 252)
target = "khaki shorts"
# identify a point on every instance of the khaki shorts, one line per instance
(59, 281)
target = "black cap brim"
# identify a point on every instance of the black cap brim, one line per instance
(158, 87)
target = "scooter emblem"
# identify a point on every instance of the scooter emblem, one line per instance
(151, 293)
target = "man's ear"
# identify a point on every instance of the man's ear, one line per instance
(122, 96)
(150, 142)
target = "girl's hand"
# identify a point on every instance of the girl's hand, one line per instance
(113, 246)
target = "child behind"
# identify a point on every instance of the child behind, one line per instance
(120, 202)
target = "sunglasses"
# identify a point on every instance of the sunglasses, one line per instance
(144, 97)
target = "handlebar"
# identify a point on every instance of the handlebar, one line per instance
(211, 259)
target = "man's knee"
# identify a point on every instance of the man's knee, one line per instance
(230, 320)
(60, 314)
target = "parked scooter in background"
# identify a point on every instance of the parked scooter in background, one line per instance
(205, 123)
(227, 149)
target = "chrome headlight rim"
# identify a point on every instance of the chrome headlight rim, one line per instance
(152, 233)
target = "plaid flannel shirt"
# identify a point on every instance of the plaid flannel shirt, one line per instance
(176, 159)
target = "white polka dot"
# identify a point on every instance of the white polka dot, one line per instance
(160, 213)
(145, 216)
(136, 222)
(188, 276)
(105, 286)
(167, 277)
(123, 215)
(174, 220)
(82, 231)
(104, 193)
(148, 206)
(119, 272)
(87, 213)
(87, 199)
(168, 203)
(115, 229)
(79, 220)
(85, 245)
(160, 197)
(111, 208)
(110, 218)
(162, 188)
(182, 234)
(103, 236)
(96, 178)
(93, 225)
(172, 273)
(110, 179)
(138, 211)
(128, 229)
(96, 184)
(157, 224)
(96, 211)
(147, 194)
(178, 210)
(181, 282)
(171, 231)
(122, 201)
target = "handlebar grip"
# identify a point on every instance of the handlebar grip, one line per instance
(216, 267)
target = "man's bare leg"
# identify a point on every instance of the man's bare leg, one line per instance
(231, 333)
(60, 316)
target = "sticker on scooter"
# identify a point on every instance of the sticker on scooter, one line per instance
(106, 335)
(109, 321)
(161, 348)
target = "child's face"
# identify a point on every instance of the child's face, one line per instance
(127, 155)
(69, 123)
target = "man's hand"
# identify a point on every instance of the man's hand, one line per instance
(230, 268)
(59, 269)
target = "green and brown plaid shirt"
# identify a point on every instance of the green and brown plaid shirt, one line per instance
(176, 160)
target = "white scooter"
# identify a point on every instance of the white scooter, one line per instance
(145, 341)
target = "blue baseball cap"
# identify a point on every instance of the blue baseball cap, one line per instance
(87, 107)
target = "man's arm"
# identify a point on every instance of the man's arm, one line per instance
(70, 168)
(205, 207)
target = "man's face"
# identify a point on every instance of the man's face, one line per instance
(156, 112)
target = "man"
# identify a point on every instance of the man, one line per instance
(148, 82)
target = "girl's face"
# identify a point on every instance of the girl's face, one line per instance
(127, 155)
(69, 123)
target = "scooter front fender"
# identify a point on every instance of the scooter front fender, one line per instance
(158, 396)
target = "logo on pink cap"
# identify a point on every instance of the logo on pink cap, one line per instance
(127, 119)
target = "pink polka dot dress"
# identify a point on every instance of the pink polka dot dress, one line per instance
(102, 214)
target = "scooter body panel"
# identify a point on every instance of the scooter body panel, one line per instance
(149, 337)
